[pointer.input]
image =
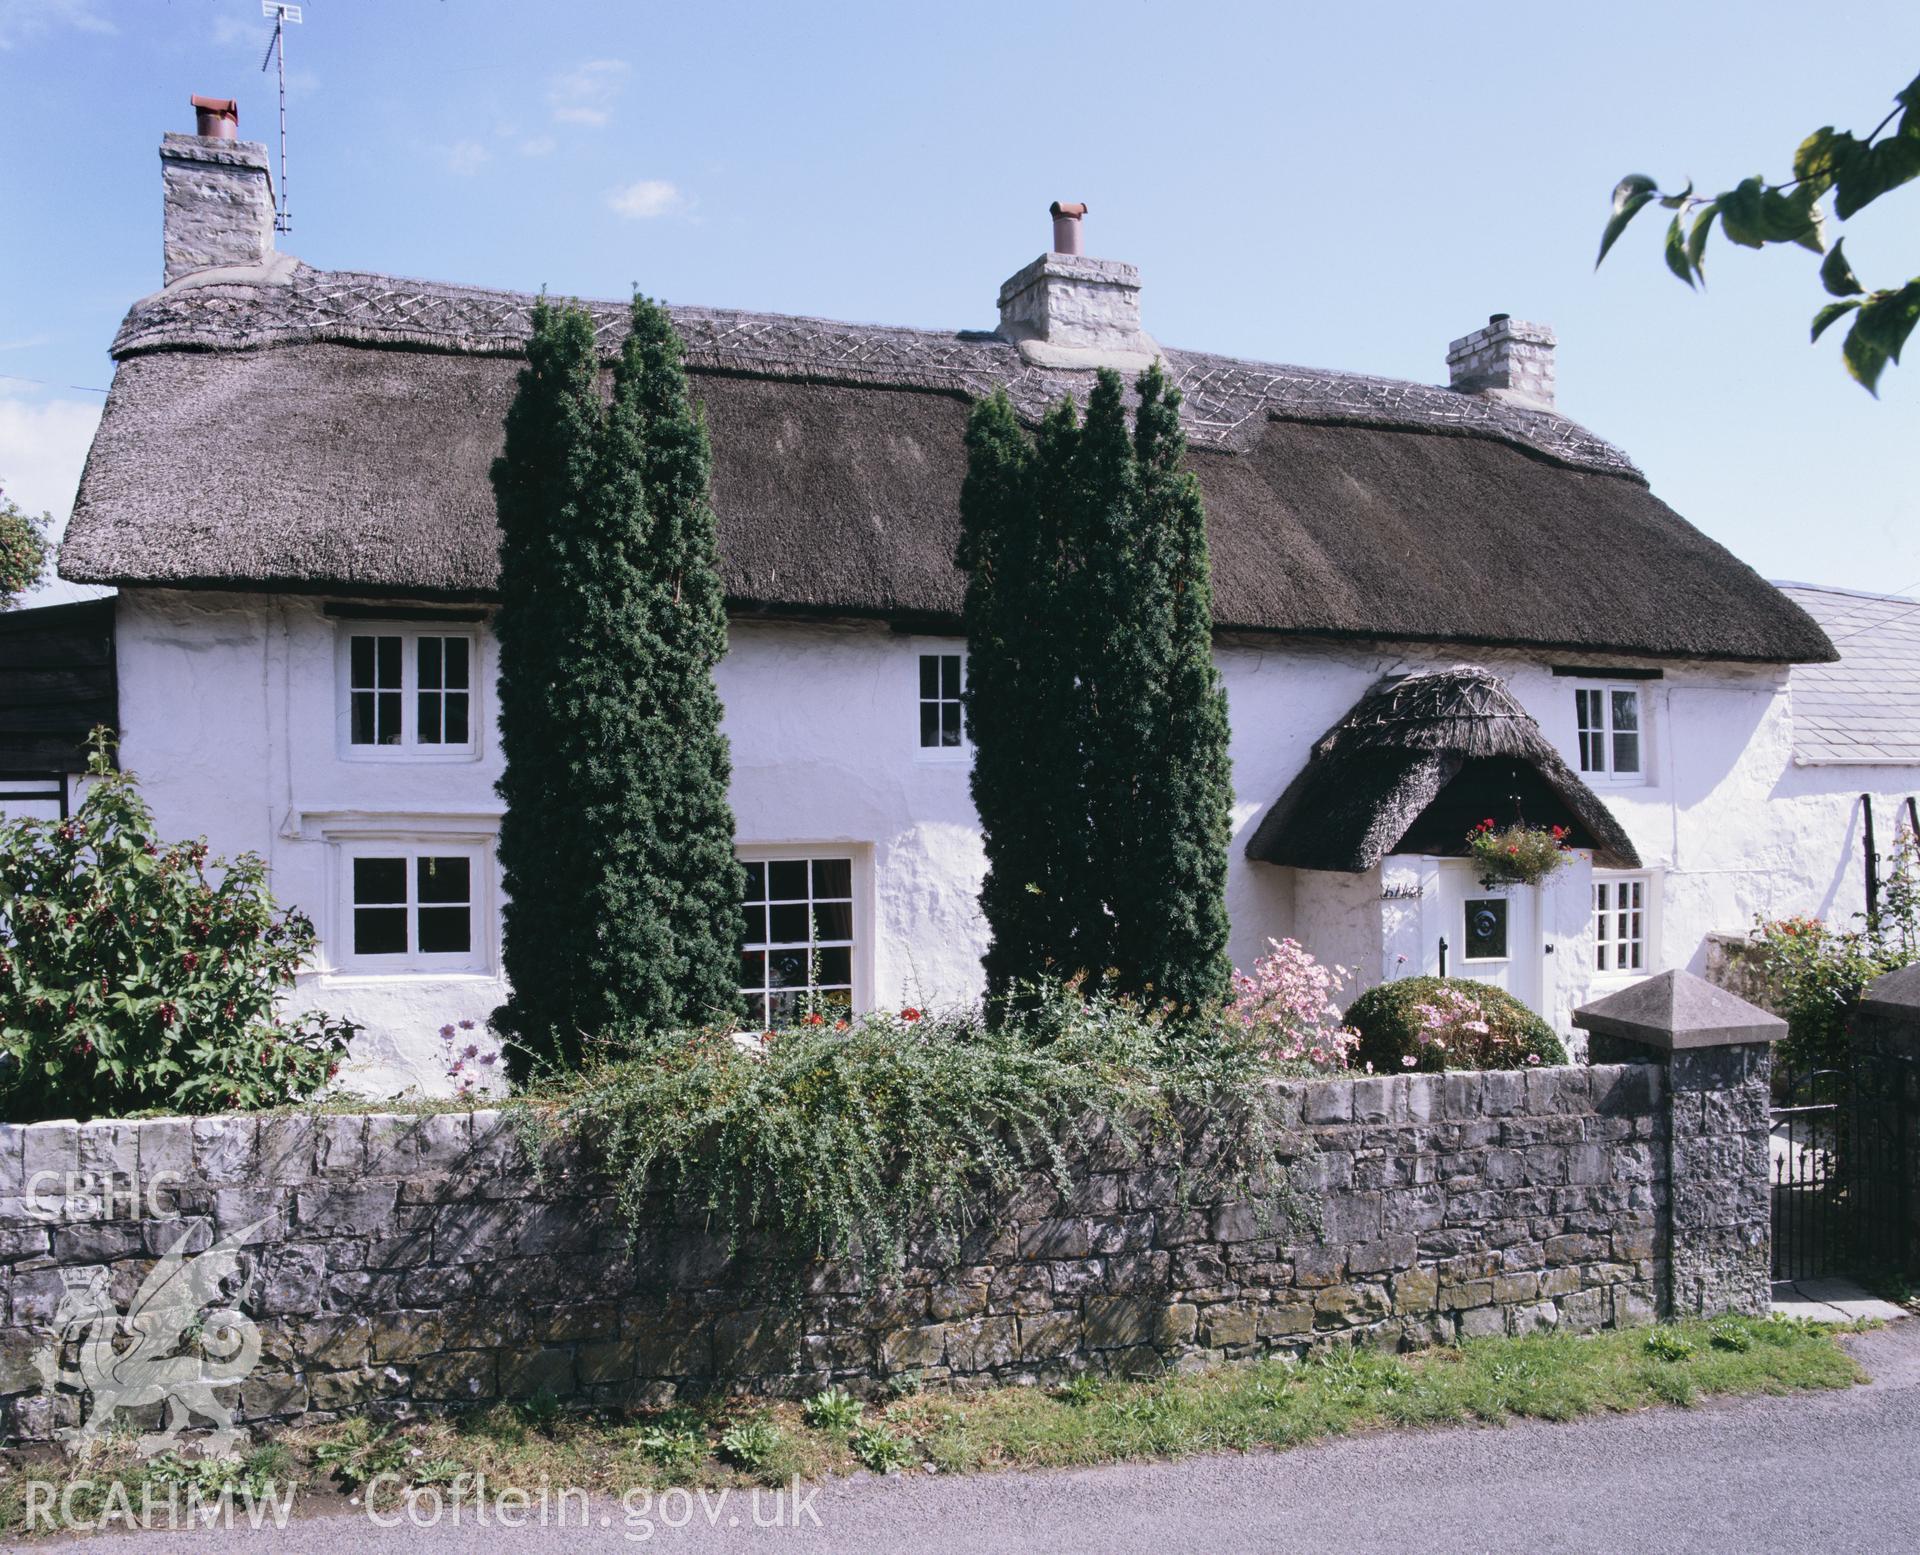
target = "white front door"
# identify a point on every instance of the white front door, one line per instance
(1492, 936)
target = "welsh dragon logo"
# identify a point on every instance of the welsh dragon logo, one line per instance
(182, 1338)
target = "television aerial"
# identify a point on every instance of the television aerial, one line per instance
(280, 14)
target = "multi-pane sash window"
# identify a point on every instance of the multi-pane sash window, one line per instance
(798, 950)
(1619, 925)
(1609, 726)
(413, 908)
(940, 701)
(410, 689)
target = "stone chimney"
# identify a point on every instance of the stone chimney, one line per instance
(219, 195)
(1508, 360)
(1066, 310)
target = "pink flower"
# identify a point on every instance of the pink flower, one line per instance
(1407, 1060)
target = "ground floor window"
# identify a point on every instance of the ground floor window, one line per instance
(1619, 925)
(798, 951)
(414, 907)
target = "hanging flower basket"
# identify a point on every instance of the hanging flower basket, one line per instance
(1517, 855)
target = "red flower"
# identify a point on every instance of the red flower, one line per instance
(168, 1014)
(813, 1018)
(190, 961)
(839, 1025)
(1487, 825)
(1514, 848)
(909, 1014)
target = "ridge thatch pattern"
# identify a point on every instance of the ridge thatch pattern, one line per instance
(1226, 398)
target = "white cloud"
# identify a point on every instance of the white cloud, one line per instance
(645, 198)
(538, 146)
(464, 158)
(21, 21)
(233, 28)
(42, 448)
(586, 94)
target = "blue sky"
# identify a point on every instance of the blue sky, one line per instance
(1342, 187)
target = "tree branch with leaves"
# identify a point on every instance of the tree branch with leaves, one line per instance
(24, 550)
(1856, 171)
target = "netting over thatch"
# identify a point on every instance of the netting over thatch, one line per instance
(1398, 755)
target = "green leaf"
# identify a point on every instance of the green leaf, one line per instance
(1676, 252)
(1837, 275)
(1741, 217)
(1879, 332)
(1678, 202)
(1875, 170)
(1909, 98)
(1697, 239)
(1820, 157)
(1629, 195)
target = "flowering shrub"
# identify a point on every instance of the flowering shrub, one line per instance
(1289, 1002)
(1815, 973)
(130, 980)
(1517, 855)
(1427, 1024)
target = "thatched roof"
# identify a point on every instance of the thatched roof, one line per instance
(332, 431)
(1414, 764)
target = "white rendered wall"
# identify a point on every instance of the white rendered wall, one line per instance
(228, 705)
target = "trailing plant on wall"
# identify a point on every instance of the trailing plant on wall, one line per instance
(1099, 723)
(138, 974)
(895, 1132)
(616, 846)
(1518, 854)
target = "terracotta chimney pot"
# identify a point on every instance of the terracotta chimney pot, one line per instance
(217, 118)
(1066, 226)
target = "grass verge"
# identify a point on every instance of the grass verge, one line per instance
(1265, 1404)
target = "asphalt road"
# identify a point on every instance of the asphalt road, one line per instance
(1820, 1472)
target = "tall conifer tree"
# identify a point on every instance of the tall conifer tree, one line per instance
(1171, 911)
(617, 843)
(1099, 724)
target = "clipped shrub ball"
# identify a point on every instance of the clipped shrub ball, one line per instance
(1426, 1024)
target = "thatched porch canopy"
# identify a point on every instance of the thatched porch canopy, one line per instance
(1417, 763)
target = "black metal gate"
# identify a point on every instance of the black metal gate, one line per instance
(1838, 1148)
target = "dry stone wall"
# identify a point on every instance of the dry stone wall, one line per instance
(398, 1263)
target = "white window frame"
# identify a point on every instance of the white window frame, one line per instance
(936, 648)
(1607, 690)
(1612, 880)
(409, 749)
(348, 834)
(864, 919)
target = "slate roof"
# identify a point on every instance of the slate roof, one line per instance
(1863, 708)
(290, 428)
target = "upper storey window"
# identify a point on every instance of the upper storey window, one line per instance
(1611, 725)
(408, 692)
